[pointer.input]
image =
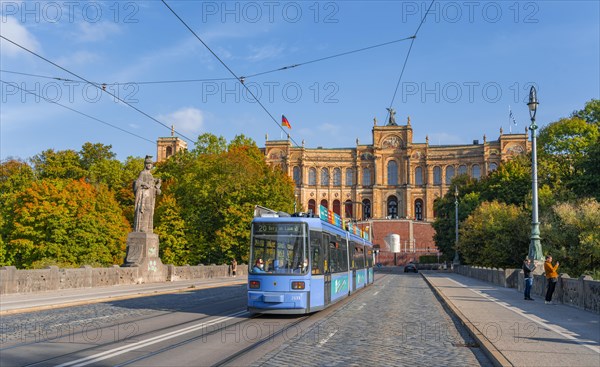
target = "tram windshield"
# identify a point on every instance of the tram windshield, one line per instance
(280, 246)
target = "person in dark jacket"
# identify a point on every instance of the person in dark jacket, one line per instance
(528, 267)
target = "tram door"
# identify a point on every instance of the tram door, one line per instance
(353, 259)
(327, 268)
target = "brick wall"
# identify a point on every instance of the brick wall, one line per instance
(416, 239)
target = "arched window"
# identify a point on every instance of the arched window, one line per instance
(392, 177)
(493, 167)
(325, 203)
(348, 213)
(462, 169)
(419, 209)
(437, 175)
(418, 176)
(312, 207)
(169, 151)
(336, 207)
(366, 208)
(325, 177)
(434, 205)
(312, 176)
(449, 174)
(392, 207)
(297, 176)
(349, 177)
(475, 172)
(366, 177)
(337, 177)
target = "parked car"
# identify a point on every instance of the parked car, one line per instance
(410, 267)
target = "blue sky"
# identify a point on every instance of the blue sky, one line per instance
(471, 60)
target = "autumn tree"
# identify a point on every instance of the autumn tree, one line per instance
(216, 187)
(65, 222)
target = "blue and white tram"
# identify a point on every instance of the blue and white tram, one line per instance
(307, 263)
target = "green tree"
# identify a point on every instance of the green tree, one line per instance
(65, 222)
(572, 235)
(510, 183)
(216, 188)
(495, 235)
(564, 144)
(94, 153)
(62, 164)
(14, 176)
(170, 228)
(445, 222)
(590, 113)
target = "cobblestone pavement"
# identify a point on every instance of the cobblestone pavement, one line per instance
(397, 321)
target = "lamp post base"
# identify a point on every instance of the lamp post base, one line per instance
(535, 246)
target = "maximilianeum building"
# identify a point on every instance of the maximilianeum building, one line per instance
(391, 178)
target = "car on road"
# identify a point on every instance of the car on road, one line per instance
(410, 267)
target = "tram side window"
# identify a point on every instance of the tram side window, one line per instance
(369, 253)
(316, 253)
(333, 257)
(343, 253)
(359, 257)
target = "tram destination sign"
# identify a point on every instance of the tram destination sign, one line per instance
(278, 228)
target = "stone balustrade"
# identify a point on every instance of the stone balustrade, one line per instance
(13, 280)
(582, 292)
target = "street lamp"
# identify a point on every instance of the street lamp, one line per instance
(535, 246)
(456, 260)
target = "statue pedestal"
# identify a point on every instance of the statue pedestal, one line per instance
(142, 252)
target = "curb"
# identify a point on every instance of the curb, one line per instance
(496, 357)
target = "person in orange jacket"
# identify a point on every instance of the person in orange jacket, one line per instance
(551, 277)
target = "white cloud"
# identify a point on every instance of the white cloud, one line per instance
(13, 30)
(93, 32)
(77, 58)
(264, 52)
(186, 120)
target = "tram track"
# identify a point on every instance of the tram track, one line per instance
(110, 326)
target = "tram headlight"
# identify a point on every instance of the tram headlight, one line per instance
(297, 285)
(254, 284)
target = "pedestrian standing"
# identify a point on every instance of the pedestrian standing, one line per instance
(528, 267)
(234, 267)
(551, 278)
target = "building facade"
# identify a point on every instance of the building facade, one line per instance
(392, 178)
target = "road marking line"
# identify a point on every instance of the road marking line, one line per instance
(544, 323)
(128, 348)
(322, 342)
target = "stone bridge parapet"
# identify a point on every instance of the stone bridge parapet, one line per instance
(13, 280)
(582, 292)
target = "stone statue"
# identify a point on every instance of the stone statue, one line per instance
(392, 121)
(145, 189)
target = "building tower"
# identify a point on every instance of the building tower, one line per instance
(168, 146)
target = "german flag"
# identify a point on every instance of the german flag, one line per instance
(285, 122)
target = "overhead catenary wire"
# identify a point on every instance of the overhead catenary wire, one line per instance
(240, 80)
(96, 85)
(76, 111)
(288, 67)
(407, 56)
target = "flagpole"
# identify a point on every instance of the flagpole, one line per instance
(509, 122)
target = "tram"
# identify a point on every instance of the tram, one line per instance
(301, 264)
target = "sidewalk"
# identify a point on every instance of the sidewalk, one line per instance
(515, 332)
(36, 301)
